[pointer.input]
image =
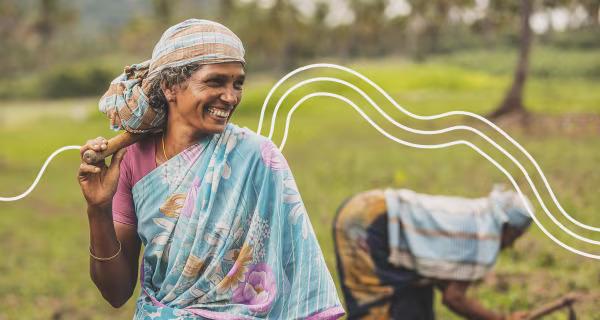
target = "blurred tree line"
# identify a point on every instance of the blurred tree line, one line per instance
(58, 48)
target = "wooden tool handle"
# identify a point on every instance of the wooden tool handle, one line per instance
(115, 143)
(553, 306)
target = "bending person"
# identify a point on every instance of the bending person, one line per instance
(224, 229)
(394, 247)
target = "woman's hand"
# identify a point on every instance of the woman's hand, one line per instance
(98, 181)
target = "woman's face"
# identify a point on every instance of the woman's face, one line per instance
(209, 99)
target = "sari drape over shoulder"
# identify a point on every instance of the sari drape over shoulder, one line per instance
(226, 236)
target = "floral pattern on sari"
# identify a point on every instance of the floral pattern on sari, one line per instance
(258, 289)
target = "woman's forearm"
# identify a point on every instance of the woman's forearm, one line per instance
(113, 277)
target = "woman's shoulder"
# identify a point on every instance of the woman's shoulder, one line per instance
(250, 143)
(248, 139)
(141, 149)
(140, 158)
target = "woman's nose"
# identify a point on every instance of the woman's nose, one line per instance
(230, 96)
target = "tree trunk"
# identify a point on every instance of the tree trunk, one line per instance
(163, 11)
(46, 23)
(283, 20)
(513, 101)
(593, 10)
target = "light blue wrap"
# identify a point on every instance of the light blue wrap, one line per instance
(450, 238)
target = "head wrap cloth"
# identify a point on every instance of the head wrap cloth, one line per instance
(192, 41)
(508, 207)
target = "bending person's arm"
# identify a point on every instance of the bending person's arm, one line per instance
(454, 296)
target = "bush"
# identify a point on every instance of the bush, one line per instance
(20, 88)
(76, 81)
(585, 38)
(545, 61)
(85, 78)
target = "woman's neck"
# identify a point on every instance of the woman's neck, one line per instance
(179, 138)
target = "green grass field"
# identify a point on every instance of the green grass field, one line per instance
(333, 153)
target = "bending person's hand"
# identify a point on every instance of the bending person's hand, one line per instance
(98, 181)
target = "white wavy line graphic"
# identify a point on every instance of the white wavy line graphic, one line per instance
(432, 117)
(40, 173)
(428, 132)
(438, 146)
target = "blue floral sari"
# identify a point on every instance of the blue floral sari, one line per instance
(226, 236)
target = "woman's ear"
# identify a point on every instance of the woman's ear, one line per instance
(170, 93)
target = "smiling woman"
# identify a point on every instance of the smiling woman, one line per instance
(225, 233)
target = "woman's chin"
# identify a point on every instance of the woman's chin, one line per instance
(214, 128)
(212, 124)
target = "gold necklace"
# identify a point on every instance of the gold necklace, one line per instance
(163, 147)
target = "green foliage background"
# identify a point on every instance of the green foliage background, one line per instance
(333, 153)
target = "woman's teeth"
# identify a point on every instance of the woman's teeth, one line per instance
(218, 112)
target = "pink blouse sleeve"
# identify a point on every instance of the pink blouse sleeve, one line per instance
(137, 163)
(122, 205)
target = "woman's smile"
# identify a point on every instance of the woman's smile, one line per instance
(219, 114)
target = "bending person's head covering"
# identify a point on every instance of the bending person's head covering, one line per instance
(509, 208)
(452, 238)
(192, 41)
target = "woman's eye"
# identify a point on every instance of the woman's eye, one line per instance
(238, 85)
(213, 83)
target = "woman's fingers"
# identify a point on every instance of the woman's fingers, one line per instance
(85, 169)
(97, 145)
(101, 143)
